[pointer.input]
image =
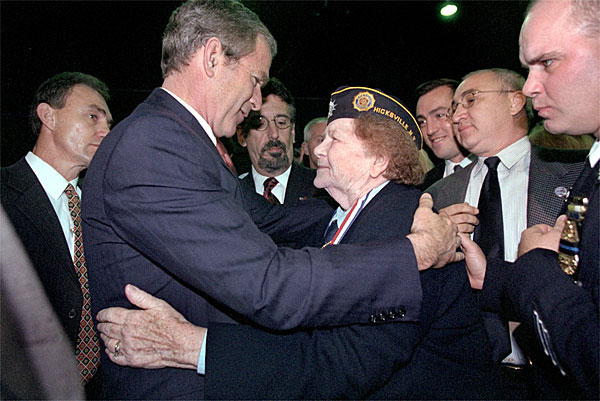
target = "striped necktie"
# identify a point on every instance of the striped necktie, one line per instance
(269, 184)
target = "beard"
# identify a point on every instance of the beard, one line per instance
(277, 161)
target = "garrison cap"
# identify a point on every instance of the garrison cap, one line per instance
(352, 101)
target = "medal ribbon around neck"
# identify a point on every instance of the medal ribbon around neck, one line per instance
(352, 214)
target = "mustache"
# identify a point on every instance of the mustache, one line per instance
(274, 144)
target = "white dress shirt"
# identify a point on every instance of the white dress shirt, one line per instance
(54, 185)
(278, 190)
(450, 165)
(513, 177)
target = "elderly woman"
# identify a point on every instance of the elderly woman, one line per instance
(369, 163)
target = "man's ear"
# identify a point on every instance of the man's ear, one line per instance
(517, 102)
(213, 56)
(379, 165)
(240, 136)
(47, 115)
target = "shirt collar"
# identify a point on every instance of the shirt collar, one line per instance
(463, 163)
(281, 178)
(594, 155)
(196, 115)
(340, 214)
(509, 156)
(51, 180)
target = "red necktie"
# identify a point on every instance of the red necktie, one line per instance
(225, 155)
(269, 184)
(88, 346)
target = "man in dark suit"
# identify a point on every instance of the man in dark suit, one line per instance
(163, 211)
(434, 100)
(555, 296)
(370, 164)
(269, 135)
(70, 117)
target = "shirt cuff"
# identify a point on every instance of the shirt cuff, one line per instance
(202, 358)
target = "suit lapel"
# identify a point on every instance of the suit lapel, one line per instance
(452, 189)
(379, 208)
(546, 190)
(35, 206)
(178, 112)
(292, 190)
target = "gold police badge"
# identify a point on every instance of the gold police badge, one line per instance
(363, 101)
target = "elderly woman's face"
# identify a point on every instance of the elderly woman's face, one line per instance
(343, 162)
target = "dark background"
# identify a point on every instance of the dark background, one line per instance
(390, 45)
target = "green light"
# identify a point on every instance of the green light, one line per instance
(448, 10)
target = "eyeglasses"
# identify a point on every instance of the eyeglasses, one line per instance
(281, 122)
(469, 98)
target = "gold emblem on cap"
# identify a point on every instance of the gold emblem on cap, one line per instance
(363, 101)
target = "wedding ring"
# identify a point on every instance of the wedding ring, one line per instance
(117, 348)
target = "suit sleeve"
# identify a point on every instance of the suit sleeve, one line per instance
(562, 315)
(171, 199)
(342, 363)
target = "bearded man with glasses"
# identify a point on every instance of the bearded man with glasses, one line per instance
(269, 136)
(527, 185)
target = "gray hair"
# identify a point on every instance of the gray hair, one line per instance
(196, 21)
(509, 81)
(311, 123)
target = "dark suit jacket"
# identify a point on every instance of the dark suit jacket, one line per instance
(162, 210)
(447, 356)
(299, 186)
(548, 171)
(433, 175)
(557, 315)
(39, 229)
(36, 223)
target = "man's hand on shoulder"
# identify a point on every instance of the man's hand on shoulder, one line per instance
(434, 236)
(154, 337)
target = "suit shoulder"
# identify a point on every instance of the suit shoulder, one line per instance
(433, 176)
(563, 156)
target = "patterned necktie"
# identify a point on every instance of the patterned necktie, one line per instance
(489, 234)
(269, 184)
(225, 155)
(88, 346)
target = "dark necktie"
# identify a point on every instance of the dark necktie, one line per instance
(489, 234)
(88, 346)
(330, 232)
(457, 167)
(225, 155)
(269, 184)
